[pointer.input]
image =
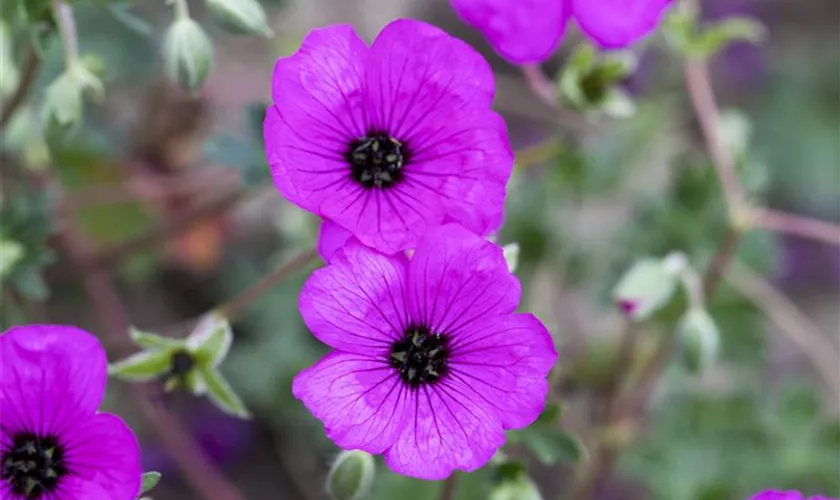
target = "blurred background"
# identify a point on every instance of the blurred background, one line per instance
(177, 203)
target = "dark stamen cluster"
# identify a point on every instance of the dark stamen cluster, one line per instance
(180, 365)
(33, 465)
(420, 357)
(376, 160)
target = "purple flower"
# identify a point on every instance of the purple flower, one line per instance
(528, 31)
(430, 362)
(786, 495)
(54, 444)
(390, 140)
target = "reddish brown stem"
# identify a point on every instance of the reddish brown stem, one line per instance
(30, 72)
(206, 479)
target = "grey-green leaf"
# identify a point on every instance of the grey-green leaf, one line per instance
(145, 365)
(221, 393)
(211, 339)
(552, 445)
(150, 480)
(150, 340)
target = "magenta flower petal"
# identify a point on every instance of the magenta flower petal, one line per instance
(356, 305)
(75, 355)
(361, 400)
(785, 495)
(431, 362)
(617, 23)
(448, 432)
(52, 380)
(505, 362)
(521, 31)
(97, 449)
(457, 278)
(391, 140)
(317, 111)
(331, 238)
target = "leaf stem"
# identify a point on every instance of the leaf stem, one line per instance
(67, 31)
(27, 79)
(449, 485)
(234, 306)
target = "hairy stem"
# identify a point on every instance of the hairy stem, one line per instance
(67, 31)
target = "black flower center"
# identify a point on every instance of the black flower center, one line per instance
(182, 363)
(420, 357)
(33, 465)
(376, 161)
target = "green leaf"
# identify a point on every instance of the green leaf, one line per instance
(123, 14)
(150, 480)
(645, 288)
(221, 394)
(30, 282)
(551, 415)
(552, 445)
(195, 383)
(733, 29)
(149, 340)
(145, 365)
(11, 252)
(211, 339)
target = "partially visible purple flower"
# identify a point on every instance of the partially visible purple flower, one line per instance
(332, 238)
(54, 444)
(390, 140)
(430, 363)
(529, 31)
(786, 495)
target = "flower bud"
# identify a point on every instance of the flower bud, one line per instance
(699, 340)
(511, 252)
(522, 488)
(645, 288)
(351, 476)
(589, 82)
(188, 53)
(241, 16)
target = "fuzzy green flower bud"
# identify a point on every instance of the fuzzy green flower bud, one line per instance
(241, 16)
(521, 488)
(351, 476)
(188, 53)
(699, 340)
(646, 287)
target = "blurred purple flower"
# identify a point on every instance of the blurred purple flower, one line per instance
(224, 439)
(786, 495)
(808, 263)
(390, 140)
(54, 444)
(529, 31)
(431, 363)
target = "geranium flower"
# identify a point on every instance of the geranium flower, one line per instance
(786, 495)
(528, 31)
(54, 444)
(391, 139)
(430, 363)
